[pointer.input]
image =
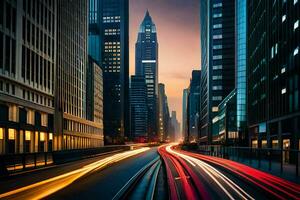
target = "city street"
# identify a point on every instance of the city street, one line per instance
(141, 174)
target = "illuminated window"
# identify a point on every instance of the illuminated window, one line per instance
(283, 18)
(296, 25)
(254, 143)
(283, 91)
(30, 117)
(11, 134)
(44, 119)
(1, 133)
(264, 144)
(42, 136)
(215, 109)
(27, 135)
(275, 144)
(13, 113)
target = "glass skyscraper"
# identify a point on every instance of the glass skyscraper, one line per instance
(273, 74)
(218, 60)
(146, 65)
(108, 45)
(241, 67)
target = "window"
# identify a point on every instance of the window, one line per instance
(217, 87)
(283, 70)
(283, 91)
(217, 67)
(215, 109)
(218, 36)
(11, 134)
(217, 15)
(296, 51)
(1, 133)
(283, 18)
(296, 25)
(215, 26)
(217, 5)
(216, 47)
(217, 57)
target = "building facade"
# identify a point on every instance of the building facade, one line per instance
(72, 128)
(218, 60)
(164, 114)
(27, 76)
(94, 92)
(175, 135)
(146, 65)
(194, 106)
(273, 74)
(112, 17)
(138, 108)
(184, 126)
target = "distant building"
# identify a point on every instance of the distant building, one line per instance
(109, 27)
(175, 127)
(146, 65)
(138, 108)
(184, 130)
(194, 105)
(273, 74)
(164, 114)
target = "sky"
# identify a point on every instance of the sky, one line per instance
(177, 24)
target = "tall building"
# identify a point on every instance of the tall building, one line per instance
(27, 75)
(94, 92)
(109, 27)
(138, 108)
(194, 105)
(273, 74)
(94, 35)
(184, 122)
(72, 128)
(164, 114)
(241, 69)
(218, 59)
(175, 127)
(146, 65)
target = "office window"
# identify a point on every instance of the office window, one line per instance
(283, 18)
(296, 25)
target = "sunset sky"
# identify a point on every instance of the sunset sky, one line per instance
(177, 23)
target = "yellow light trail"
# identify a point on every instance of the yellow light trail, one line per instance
(214, 174)
(44, 188)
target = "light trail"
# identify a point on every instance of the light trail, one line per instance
(214, 174)
(280, 188)
(44, 188)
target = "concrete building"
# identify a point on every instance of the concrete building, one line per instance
(27, 76)
(72, 128)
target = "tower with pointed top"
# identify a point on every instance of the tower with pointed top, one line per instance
(146, 65)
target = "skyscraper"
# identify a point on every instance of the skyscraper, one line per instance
(218, 59)
(71, 124)
(27, 76)
(146, 65)
(273, 74)
(194, 105)
(241, 68)
(109, 26)
(175, 127)
(138, 108)
(184, 122)
(164, 114)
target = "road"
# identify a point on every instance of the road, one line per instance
(195, 176)
(159, 173)
(99, 177)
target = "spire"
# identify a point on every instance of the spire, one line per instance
(147, 16)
